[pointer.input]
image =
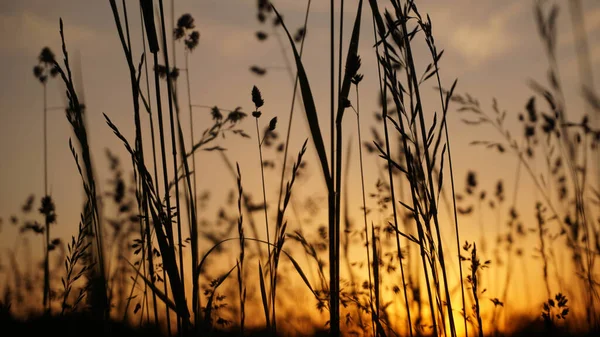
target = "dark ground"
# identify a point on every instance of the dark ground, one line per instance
(77, 325)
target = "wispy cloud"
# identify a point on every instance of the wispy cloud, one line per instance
(478, 42)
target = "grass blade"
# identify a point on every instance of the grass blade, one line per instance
(263, 293)
(309, 106)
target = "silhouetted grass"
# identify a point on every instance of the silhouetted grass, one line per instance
(408, 267)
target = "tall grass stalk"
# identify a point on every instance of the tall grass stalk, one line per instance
(165, 239)
(43, 71)
(364, 201)
(193, 220)
(419, 175)
(352, 66)
(170, 99)
(289, 127)
(240, 261)
(410, 173)
(46, 299)
(247, 206)
(148, 105)
(135, 89)
(194, 196)
(395, 215)
(475, 265)
(334, 306)
(258, 103)
(75, 112)
(190, 41)
(429, 163)
(313, 121)
(444, 102)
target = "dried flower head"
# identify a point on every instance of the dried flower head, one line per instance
(192, 40)
(186, 21)
(273, 124)
(216, 114)
(471, 182)
(46, 66)
(357, 78)
(300, 34)
(178, 33)
(258, 70)
(185, 24)
(28, 206)
(261, 17)
(38, 71)
(46, 56)
(257, 98)
(48, 210)
(261, 36)
(236, 115)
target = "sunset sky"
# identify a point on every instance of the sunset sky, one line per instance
(492, 47)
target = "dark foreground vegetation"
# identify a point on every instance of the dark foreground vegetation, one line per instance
(76, 325)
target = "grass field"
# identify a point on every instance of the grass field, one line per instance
(346, 222)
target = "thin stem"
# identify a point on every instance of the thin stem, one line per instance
(45, 142)
(187, 77)
(135, 93)
(46, 300)
(289, 127)
(334, 316)
(364, 201)
(395, 215)
(383, 91)
(147, 227)
(429, 163)
(181, 320)
(169, 228)
(262, 176)
(450, 166)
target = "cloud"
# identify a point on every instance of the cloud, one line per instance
(479, 42)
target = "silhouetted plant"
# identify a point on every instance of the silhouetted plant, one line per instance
(555, 310)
